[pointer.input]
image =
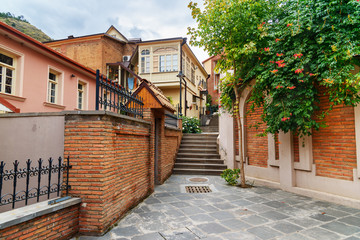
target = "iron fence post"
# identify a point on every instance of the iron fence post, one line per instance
(59, 175)
(28, 163)
(2, 165)
(16, 164)
(97, 90)
(49, 177)
(39, 179)
(67, 176)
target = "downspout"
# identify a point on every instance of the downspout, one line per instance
(181, 75)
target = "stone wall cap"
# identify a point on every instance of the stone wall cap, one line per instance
(23, 214)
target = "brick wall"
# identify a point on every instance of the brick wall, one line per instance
(62, 224)
(256, 147)
(215, 93)
(170, 144)
(334, 147)
(112, 167)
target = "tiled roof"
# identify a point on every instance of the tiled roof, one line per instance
(157, 93)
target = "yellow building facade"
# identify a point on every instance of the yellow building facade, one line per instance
(162, 62)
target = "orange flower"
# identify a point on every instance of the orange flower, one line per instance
(311, 74)
(298, 55)
(277, 39)
(278, 86)
(279, 62)
(328, 80)
(279, 54)
(291, 88)
(299, 70)
(301, 80)
(289, 24)
(267, 49)
(281, 65)
(274, 71)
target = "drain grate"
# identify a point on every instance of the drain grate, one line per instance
(198, 189)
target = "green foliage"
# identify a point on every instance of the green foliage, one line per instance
(231, 176)
(208, 99)
(190, 125)
(10, 15)
(21, 24)
(290, 48)
(312, 44)
(170, 100)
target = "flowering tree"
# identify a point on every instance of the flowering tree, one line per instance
(310, 44)
(291, 47)
(230, 29)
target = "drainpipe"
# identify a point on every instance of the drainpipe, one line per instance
(181, 78)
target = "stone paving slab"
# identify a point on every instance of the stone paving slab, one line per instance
(233, 213)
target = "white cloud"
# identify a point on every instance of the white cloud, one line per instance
(147, 19)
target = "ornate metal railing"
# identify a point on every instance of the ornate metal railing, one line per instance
(14, 176)
(111, 96)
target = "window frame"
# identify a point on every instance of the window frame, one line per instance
(4, 68)
(169, 62)
(59, 86)
(145, 61)
(84, 95)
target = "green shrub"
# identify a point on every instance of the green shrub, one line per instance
(190, 125)
(231, 175)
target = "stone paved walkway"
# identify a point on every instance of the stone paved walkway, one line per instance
(233, 213)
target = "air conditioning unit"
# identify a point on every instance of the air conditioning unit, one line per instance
(126, 58)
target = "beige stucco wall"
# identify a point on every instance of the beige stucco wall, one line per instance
(168, 82)
(24, 137)
(226, 138)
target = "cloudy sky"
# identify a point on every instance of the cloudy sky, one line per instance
(147, 19)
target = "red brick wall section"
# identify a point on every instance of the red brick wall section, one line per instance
(170, 144)
(111, 167)
(334, 147)
(62, 224)
(215, 93)
(236, 137)
(296, 147)
(256, 147)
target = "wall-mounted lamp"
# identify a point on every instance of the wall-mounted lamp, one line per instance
(72, 75)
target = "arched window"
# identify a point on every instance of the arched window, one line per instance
(145, 52)
(145, 61)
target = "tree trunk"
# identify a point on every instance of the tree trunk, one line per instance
(238, 121)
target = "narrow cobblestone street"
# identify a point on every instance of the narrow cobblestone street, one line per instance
(233, 213)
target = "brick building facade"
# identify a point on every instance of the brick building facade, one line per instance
(311, 165)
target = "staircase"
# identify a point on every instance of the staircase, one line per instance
(212, 126)
(198, 155)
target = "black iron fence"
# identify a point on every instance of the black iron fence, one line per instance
(53, 172)
(110, 95)
(171, 120)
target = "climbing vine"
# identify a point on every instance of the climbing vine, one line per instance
(291, 48)
(310, 45)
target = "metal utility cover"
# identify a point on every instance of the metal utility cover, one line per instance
(198, 189)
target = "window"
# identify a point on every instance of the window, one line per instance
(81, 95)
(7, 74)
(52, 88)
(145, 61)
(187, 67)
(193, 73)
(168, 63)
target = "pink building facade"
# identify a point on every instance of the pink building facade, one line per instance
(35, 78)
